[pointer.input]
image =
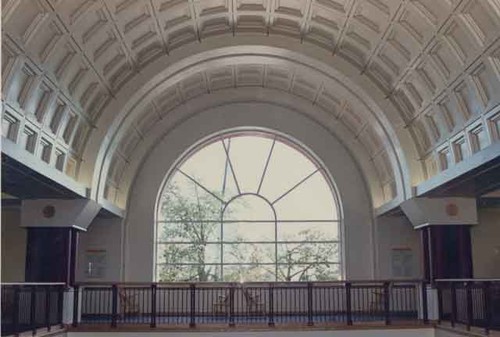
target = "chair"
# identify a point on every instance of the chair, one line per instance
(128, 302)
(254, 303)
(377, 303)
(221, 306)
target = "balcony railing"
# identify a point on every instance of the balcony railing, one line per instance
(235, 304)
(27, 306)
(470, 302)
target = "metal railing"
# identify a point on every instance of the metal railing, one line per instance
(231, 304)
(31, 306)
(471, 302)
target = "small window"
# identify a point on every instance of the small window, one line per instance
(10, 126)
(479, 138)
(46, 150)
(56, 118)
(28, 139)
(430, 164)
(43, 103)
(70, 126)
(60, 156)
(445, 159)
(495, 127)
(461, 149)
(71, 167)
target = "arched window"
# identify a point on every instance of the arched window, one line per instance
(248, 206)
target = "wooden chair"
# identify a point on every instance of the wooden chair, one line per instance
(221, 305)
(128, 302)
(377, 303)
(254, 302)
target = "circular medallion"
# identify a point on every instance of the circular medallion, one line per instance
(49, 211)
(451, 209)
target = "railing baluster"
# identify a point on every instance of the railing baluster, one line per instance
(348, 302)
(271, 305)
(468, 289)
(114, 305)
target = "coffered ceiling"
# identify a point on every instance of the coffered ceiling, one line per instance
(435, 62)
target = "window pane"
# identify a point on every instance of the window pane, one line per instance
(184, 200)
(195, 232)
(249, 231)
(309, 253)
(179, 253)
(249, 253)
(308, 272)
(215, 167)
(286, 168)
(187, 273)
(321, 205)
(308, 231)
(248, 155)
(249, 273)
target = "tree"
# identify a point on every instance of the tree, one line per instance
(184, 215)
(305, 261)
(305, 256)
(297, 260)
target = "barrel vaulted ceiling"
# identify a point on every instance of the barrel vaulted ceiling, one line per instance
(412, 87)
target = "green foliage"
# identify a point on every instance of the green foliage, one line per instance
(185, 211)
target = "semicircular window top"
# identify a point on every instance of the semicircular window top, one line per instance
(248, 206)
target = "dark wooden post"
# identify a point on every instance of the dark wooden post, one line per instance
(192, 321)
(453, 292)
(48, 289)
(348, 302)
(153, 305)
(114, 305)
(468, 289)
(15, 309)
(33, 291)
(271, 305)
(310, 321)
(440, 302)
(487, 307)
(387, 304)
(231, 305)
(425, 313)
(76, 299)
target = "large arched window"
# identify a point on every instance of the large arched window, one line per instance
(248, 206)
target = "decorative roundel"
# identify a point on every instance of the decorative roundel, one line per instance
(49, 211)
(451, 209)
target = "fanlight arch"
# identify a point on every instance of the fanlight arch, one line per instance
(248, 205)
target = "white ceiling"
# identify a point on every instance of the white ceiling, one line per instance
(435, 62)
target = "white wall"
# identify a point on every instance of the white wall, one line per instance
(13, 246)
(485, 239)
(396, 232)
(103, 234)
(423, 332)
(359, 257)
